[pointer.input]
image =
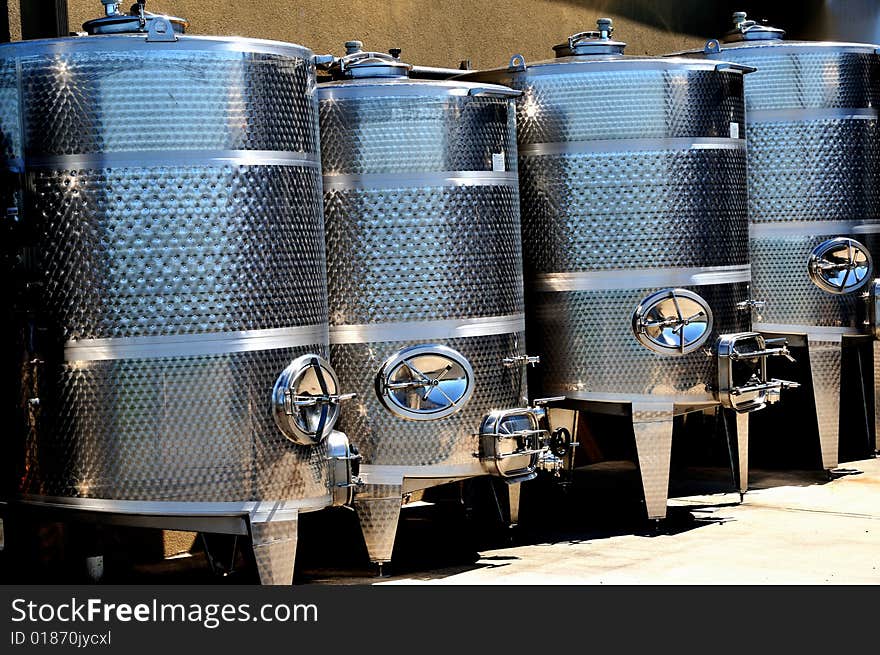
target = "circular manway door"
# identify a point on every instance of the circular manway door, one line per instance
(424, 383)
(672, 321)
(840, 265)
(305, 400)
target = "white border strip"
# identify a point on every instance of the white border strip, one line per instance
(421, 330)
(642, 278)
(194, 345)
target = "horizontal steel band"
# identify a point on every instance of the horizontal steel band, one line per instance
(421, 330)
(642, 278)
(261, 511)
(397, 180)
(615, 66)
(632, 145)
(386, 88)
(149, 158)
(389, 474)
(810, 114)
(812, 228)
(653, 401)
(813, 332)
(194, 345)
(137, 45)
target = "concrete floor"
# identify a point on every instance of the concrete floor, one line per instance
(791, 529)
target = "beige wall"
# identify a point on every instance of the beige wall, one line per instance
(430, 32)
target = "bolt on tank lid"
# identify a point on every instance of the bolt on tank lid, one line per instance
(597, 42)
(358, 63)
(137, 20)
(750, 30)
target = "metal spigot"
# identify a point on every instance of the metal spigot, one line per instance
(606, 28)
(739, 17)
(111, 7)
(522, 360)
(395, 52)
(353, 47)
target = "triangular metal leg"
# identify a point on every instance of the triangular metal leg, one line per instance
(652, 425)
(877, 395)
(742, 451)
(513, 493)
(378, 509)
(274, 544)
(825, 363)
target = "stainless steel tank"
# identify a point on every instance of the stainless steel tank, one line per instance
(425, 279)
(165, 246)
(635, 239)
(814, 195)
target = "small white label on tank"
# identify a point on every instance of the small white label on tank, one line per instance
(498, 161)
(734, 130)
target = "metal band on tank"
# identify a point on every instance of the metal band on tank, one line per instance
(173, 158)
(393, 89)
(138, 44)
(421, 330)
(810, 114)
(642, 278)
(261, 511)
(193, 345)
(396, 180)
(631, 145)
(813, 332)
(811, 228)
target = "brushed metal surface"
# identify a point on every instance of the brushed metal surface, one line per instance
(385, 439)
(378, 510)
(420, 253)
(825, 370)
(168, 195)
(587, 345)
(629, 170)
(274, 545)
(652, 425)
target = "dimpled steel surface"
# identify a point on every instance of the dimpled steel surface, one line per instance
(679, 208)
(779, 276)
(628, 103)
(184, 429)
(384, 438)
(419, 251)
(588, 346)
(423, 253)
(804, 166)
(407, 134)
(180, 249)
(172, 190)
(598, 195)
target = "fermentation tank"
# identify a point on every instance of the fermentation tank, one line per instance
(425, 279)
(814, 185)
(635, 240)
(165, 254)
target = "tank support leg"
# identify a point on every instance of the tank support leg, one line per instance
(877, 395)
(513, 492)
(825, 362)
(742, 452)
(378, 509)
(652, 425)
(274, 544)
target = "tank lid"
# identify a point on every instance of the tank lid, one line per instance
(137, 20)
(358, 63)
(749, 30)
(598, 42)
